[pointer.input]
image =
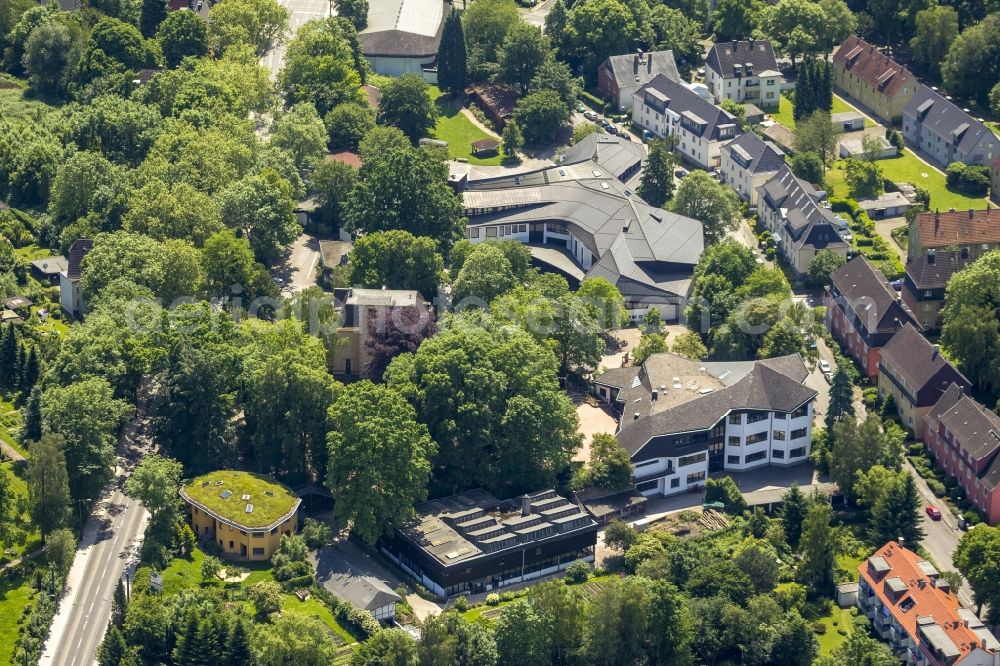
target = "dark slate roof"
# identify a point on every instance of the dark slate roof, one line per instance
(724, 56)
(871, 66)
(680, 99)
(807, 223)
(77, 251)
(921, 365)
(946, 120)
(762, 388)
(974, 427)
(870, 296)
(933, 273)
(347, 574)
(613, 153)
(641, 67)
(755, 154)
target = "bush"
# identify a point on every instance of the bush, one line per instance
(507, 596)
(971, 517)
(298, 582)
(462, 603)
(916, 449)
(936, 487)
(492, 599)
(578, 572)
(969, 179)
(316, 534)
(819, 628)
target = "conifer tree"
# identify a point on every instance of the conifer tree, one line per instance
(793, 512)
(238, 648)
(119, 605)
(113, 648)
(452, 58)
(8, 357)
(29, 373)
(31, 422)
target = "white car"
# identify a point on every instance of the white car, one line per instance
(824, 366)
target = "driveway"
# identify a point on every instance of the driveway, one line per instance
(298, 272)
(300, 12)
(884, 229)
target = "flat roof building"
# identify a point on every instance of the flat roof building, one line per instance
(473, 543)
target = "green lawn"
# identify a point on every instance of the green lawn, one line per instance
(223, 491)
(453, 127)
(588, 590)
(907, 168)
(836, 620)
(317, 609)
(32, 252)
(31, 540)
(784, 114)
(15, 594)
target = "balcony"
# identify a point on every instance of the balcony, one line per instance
(651, 471)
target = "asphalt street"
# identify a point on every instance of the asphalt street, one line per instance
(110, 539)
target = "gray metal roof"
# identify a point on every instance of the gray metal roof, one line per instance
(757, 155)
(945, 120)
(638, 68)
(796, 202)
(685, 102)
(612, 153)
(349, 573)
(403, 28)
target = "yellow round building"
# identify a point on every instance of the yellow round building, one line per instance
(244, 513)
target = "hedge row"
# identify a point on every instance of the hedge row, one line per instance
(359, 620)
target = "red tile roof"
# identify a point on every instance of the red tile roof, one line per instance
(869, 64)
(347, 157)
(961, 227)
(919, 601)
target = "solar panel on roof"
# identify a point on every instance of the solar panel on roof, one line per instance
(225, 494)
(249, 508)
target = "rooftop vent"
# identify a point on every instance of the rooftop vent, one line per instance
(268, 493)
(246, 498)
(249, 508)
(225, 494)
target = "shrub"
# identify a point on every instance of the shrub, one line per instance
(819, 628)
(507, 596)
(916, 449)
(971, 517)
(298, 582)
(492, 599)
(936, 487)
(462, 603)
(578, 572)
(968, 178)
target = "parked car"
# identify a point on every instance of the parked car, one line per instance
(824, 365)
(828, 377)
(580, 108)
(680, 173)
(611, 129)
(933, 512)
(590, 115)
(897, 285)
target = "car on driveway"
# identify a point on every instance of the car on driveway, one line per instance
(933, 512)
(828, 377)
(590, 115)
(680, 173)
(824, 365)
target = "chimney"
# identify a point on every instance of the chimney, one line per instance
(635, 62)
(525, 505)
(649, 64)
(930, 257)
(921, 583)
(899, 325)
(972, 213)
(655, 395)
(936, 349)
(937, 219)
(635, 417)
(736, 45)
(900, 540)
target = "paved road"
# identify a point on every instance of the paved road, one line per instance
(302, 11)
(110, 538)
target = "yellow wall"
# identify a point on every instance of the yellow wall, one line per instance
(240, 543)
(351, 347)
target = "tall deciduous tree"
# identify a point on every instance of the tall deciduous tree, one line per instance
(937, 28)
(523, 52)
(396, 260)
(657, 186)
(151, 15)
(182, 35)
(88, 417)
(716, 206)
(323, 65)
(402, 331)
(972, 67)
(356, 11)
(970, 330)
(858, 447)
(406, 104)
(379, 459)
(48, 484)
(490, 397)
(259, 23)
(978, 559)
(403, 187)
(452, 59)
(817, 133)
(261, 207)
(523, 635)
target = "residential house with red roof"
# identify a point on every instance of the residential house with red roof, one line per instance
(964, 437)
(915, 611)
(972, 232)
(863, 311)
(914, 373)
(872, 78)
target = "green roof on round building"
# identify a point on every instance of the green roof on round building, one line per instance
(243, 499)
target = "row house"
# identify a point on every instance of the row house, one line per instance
(747, 162)
(664, 107)
(875, 80)
(863, 311)
(915, 375)
(935, 126)
(972, 232)
(682, 420)
(964, 437)
(925, 281)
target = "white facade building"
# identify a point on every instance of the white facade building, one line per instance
(744, 72)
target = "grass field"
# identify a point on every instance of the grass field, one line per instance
(453, 127)
(588, 590)
(836, 620)
(784, 114)
(907, 168)
(15, 593)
